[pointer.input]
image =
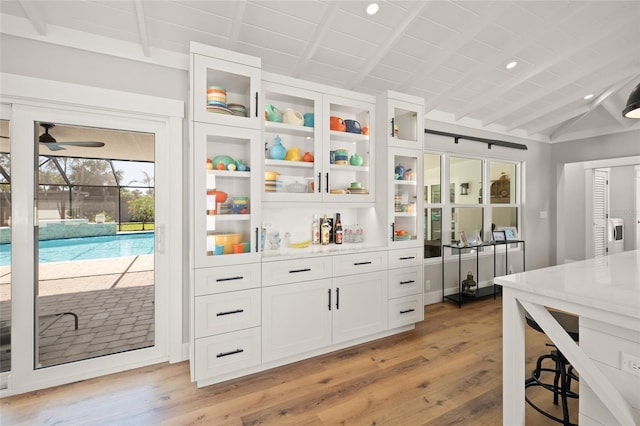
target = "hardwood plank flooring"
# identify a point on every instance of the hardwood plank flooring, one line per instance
(447, 371)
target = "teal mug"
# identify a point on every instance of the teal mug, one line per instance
(308, 119)
(273, 113)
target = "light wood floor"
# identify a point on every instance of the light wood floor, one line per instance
(446, 371)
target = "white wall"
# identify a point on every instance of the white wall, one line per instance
(537, 199)
(606, 150)
(622, 181)
(573, 214)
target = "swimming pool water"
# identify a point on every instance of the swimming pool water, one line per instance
(87, 248)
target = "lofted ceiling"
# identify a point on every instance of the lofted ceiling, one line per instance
(451, 53)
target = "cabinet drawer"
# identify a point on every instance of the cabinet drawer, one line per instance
(405, 257)
(349, 264)
(221, 313)
(227, 352)
(405, 281)
(226, 278)
(406, 310)
(289, 271)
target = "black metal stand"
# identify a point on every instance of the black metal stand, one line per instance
(480, 292)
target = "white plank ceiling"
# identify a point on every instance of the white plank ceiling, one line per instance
(452, 53)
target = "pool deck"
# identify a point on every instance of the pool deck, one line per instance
(113, 298)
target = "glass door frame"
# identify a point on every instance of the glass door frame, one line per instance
(168, 250)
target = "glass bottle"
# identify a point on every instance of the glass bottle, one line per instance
(338, 230)
(315, 230)
(325, 235)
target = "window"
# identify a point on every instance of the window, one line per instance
(481, 195)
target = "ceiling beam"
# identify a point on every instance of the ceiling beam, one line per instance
(591, 39)
(622, 74)
(241, 5)
(455, 43)
(381, 52)
(316, 38)
(35, 16)
(142, 27)
(592, 107)
(609, 59)
(506, 53)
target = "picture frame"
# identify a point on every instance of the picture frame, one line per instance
(511, 232)
(499, 236)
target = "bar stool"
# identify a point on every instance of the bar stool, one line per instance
(562, 369)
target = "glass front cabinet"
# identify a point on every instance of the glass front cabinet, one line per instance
(401, 131)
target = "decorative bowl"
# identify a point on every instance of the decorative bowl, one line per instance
(224, 159)
(228, 240)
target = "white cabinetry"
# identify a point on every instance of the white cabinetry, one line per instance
(406, 298)
(401, 136)
(225, 283)
(309, 314)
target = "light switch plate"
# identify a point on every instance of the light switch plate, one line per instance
(630, 363)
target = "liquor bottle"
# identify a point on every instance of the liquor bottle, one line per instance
(315, 230)
(338, 230)
(325, 233)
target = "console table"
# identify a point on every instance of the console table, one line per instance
(605, 293)
(461, 296)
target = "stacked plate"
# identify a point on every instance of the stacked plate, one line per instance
(272, 185)
(217, 100)
(237, 109)
(358, 190)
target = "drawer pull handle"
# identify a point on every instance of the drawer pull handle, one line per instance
(407, 311)
(329, 306)
(237, 311)
(237, 351)
(293, 271)
(229, 278)
(407, 258)
(362, 263)
(407, 282)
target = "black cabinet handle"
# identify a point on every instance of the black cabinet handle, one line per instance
(393, 127)
(407, 282)
(319, 182)
(362, 263)
(327, 188)
(293, 271)
(407, 311)
(256, 104)
(329, 306)
(237, 351)
(337, 298)
(257, 239)
(393, 231)
(407, 258)
(237, 311)
(229, 278)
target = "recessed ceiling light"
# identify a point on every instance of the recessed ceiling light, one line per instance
(372, 9)
(511, 65)
(587, 97)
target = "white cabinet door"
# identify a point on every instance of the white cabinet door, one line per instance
(241, 85)
(359, 306)
(298, 179)
(296, 318)
(405, 197)
(215, 223)
(340, 172)
(404, 127)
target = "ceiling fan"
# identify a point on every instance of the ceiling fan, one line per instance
(50, 142)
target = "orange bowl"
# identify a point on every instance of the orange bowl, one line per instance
(228, 240)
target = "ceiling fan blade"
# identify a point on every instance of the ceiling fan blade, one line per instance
(87, 144)
(53, 146)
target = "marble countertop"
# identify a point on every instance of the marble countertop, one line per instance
(610, 283)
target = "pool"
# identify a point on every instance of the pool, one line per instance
(72, 249)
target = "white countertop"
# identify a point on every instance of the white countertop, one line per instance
(610, 283)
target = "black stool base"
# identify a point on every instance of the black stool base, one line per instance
(561, 386)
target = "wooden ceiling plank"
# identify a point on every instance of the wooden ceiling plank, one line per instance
(603, 62)
(142, 28)
(238, 18)
(316, 39)
(391, 41)
(506, 53)
(469, 33)
(35, 16)
(613, 79)
(553, 60)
